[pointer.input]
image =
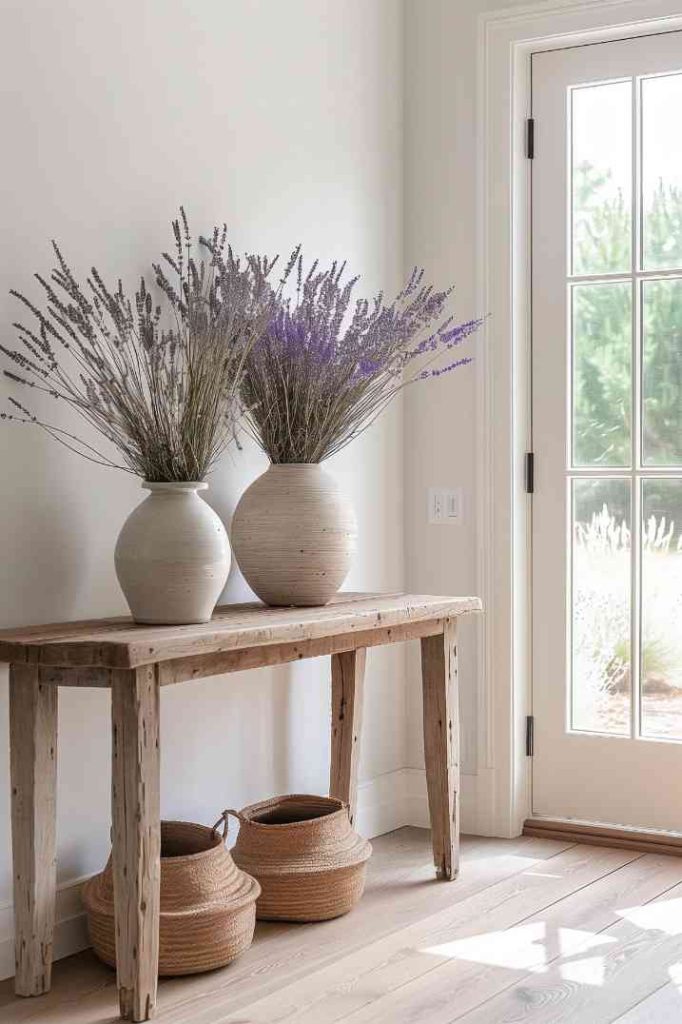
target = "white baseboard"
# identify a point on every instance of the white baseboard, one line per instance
(70, 933)
(399, 798)
(385, 803)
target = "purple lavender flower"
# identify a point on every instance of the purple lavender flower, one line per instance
(325, 369)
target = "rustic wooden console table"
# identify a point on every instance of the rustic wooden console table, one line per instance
(134, 662)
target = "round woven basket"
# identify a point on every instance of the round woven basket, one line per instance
(208, 905)
(309, 862)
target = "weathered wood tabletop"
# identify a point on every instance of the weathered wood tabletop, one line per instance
(134, 661)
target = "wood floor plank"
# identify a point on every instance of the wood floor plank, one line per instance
(479, 962)
(359, 981)
(664, 1006)
(600, 976)
(534, 931)
(396, 858)
(400, 890)
(300, 950)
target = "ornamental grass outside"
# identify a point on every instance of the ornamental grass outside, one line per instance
(309, 861)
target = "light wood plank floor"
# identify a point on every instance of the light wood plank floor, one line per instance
(534, 931)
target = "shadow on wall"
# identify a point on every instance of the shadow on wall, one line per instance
(235, 739)
(59, 523)
(41, 571)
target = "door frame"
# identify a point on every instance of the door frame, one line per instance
(506, 40)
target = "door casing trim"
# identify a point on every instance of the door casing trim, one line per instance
(506, 40)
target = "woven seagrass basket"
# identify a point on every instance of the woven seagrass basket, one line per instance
(310, 863)
(207, 903)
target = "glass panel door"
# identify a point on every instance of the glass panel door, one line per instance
(607, 430)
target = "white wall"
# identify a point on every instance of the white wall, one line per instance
(285, 120)
(440, 233)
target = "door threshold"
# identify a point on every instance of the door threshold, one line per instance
(644, 840)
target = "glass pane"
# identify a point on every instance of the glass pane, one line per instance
(662, 172)
(662, 372)
(662, 608)
(600, 633)
(602, 377)
(601, 129)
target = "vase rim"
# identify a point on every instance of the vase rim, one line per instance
(292, 465)
(175, 485)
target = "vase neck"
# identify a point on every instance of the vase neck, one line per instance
(175, 486)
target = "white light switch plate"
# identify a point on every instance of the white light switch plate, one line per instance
(445, 505)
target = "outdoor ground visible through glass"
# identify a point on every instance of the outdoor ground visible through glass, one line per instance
(601, 606)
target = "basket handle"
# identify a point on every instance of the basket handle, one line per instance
(224, 819)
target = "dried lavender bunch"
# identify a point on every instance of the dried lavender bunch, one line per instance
(322, 373)
(159, 380)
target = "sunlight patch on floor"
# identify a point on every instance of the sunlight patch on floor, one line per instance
(529, 947)
(663, 916)
(675, 972)
(589, 970)
(540, 874)
(534, 946)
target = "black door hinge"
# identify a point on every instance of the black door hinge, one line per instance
(529, 473)
(530, 735)
(530, 137)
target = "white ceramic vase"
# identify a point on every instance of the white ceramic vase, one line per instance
(172, 556)
(294, 535)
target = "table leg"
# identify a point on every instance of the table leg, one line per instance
(136, 837)
(348, 674)
(441, 746)
(33, 770)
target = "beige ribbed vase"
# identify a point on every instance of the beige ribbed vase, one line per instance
(294, 535)
(309, 861)
(172, 555)
(207, 903)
